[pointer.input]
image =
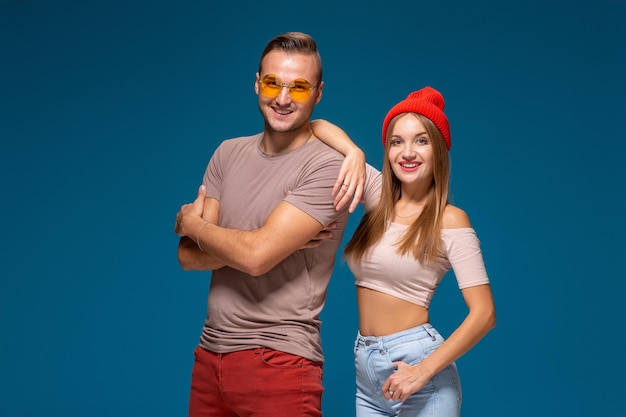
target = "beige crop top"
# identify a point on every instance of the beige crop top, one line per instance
(383, 269)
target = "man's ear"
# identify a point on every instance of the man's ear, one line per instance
(318, 90)
(256, 84)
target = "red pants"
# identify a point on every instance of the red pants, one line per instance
(254, 383)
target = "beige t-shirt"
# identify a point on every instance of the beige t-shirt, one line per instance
(280, 309)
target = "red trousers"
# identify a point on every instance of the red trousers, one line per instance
(255, 383)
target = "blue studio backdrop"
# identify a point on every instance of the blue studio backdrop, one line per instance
(109, 112)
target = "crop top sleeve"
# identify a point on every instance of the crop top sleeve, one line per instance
(383, 269)
(465, 256)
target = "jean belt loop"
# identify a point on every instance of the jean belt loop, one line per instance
(430, 333)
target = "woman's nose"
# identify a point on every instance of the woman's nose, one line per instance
(409, 151)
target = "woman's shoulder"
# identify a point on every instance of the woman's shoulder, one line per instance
(455, 218)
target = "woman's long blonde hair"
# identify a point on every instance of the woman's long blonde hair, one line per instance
(422, 239)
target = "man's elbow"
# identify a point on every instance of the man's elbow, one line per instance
(184, 260)
(256, 268)
(259, 262)
(186, 255)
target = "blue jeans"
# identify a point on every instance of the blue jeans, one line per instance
(373, 359)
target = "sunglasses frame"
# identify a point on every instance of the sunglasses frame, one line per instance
(275, 88)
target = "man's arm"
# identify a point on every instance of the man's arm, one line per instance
(254, 252)
(190, 256)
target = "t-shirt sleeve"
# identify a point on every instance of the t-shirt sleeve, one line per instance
(313, 193)
(373, 187)
(212, 178)
(465, 256)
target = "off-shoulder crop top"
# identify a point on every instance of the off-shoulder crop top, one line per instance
(383, 269)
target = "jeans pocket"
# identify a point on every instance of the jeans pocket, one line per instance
(410, 352)
(278, 359)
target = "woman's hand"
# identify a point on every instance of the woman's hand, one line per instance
(404, 382)
(351, 181)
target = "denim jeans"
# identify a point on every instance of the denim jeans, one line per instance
(257, 382)
(373, 359)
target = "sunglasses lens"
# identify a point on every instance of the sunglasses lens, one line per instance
(300, 90)
(270, 86)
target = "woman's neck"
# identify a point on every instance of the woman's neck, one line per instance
(411, 203)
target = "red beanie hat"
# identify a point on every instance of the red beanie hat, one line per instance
(429, 103)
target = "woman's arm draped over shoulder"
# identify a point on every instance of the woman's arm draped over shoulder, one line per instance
(351, 178)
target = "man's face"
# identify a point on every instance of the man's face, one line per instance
(288, 112)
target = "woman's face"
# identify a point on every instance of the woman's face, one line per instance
(410, 151)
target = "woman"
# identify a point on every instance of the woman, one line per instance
(404, 245)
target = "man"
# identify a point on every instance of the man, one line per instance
(264, 204)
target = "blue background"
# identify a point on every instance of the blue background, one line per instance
(110, 110)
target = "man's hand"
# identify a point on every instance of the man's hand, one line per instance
(317, 239)
(189, 218)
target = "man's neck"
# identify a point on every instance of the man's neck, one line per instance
(275, 143)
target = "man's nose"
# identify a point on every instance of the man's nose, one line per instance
(283, 97)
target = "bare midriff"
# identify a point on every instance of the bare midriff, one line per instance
(382, 314)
